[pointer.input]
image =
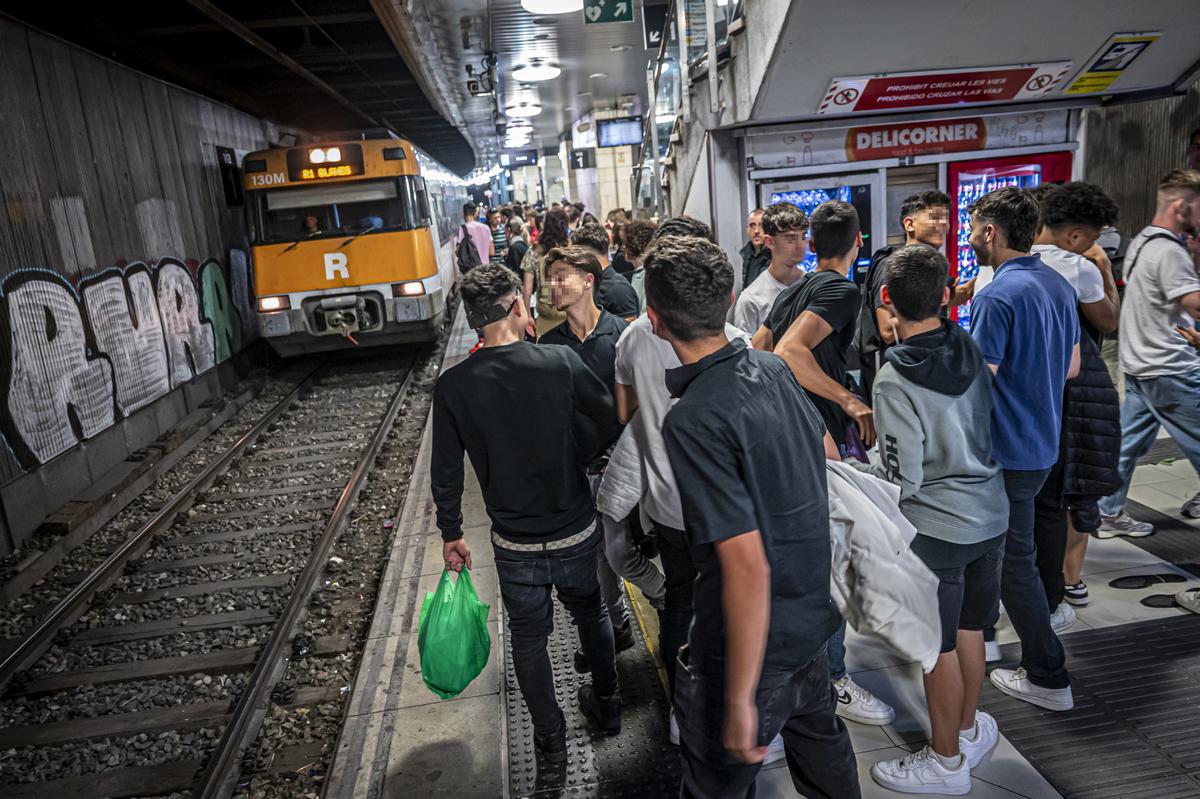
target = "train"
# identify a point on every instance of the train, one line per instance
(350, 243)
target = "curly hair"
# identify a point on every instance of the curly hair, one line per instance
(782, 217)
(637, 236)
(1076, 203)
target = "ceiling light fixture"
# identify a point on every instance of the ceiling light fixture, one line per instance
(524, 110)
(598, 75)
(620, 48)
(552, 6)
(536, 70)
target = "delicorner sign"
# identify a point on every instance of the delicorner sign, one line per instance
(906, 139)
(915, 138)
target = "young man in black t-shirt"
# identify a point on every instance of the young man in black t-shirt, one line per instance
(746, 448)
(544, 529)
(613, 292)
(811, 326)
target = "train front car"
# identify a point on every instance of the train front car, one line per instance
(346, 248)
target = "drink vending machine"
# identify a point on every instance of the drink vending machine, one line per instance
(858, 190)
(967, 181)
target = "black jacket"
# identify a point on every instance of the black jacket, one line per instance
(1091, 440)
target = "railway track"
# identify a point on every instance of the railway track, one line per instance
(152, 672)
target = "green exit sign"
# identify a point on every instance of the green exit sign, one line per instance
(607, 11)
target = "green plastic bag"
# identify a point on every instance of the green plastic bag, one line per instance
(452, 635)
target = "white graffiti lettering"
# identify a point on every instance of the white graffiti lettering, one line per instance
(189, 340)
(58, 393)
(131, 335)
(77, 364)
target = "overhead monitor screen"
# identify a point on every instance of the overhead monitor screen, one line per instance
(619, 132)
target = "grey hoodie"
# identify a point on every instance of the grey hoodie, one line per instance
(933, 407)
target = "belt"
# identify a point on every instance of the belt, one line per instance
(549, 546)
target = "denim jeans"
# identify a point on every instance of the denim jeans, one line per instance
(679, 574)
(526, 580)
(1021, 590)
(837, 653)
(1172, 402)
(798, 705)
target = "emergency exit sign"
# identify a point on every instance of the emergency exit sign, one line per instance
(595, 11)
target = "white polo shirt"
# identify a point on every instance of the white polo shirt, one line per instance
(1083, 275)
(642, 362)
(755, 302)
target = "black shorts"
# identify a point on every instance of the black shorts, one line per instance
(968, 583)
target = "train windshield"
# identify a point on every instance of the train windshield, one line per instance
(339, 209)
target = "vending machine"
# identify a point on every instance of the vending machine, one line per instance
(860, 191)
(967, 181)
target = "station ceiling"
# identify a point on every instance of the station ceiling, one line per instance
(320, 66)
(603, 65)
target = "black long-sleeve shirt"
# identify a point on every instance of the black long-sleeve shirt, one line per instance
(527, 418)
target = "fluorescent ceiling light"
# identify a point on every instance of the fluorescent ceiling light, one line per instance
(524, 110)
(536, 70)
(552, 6)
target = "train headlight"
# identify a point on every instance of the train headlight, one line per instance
(414, 288)
(270, 304)
(322, 156)
(333, 154)
(316, 156)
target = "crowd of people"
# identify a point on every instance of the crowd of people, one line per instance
(628, 420)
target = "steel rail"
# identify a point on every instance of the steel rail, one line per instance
(223, 769)
(34, 644)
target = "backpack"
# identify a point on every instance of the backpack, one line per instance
(467, 253)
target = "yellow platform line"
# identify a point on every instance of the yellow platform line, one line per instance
(647, 618)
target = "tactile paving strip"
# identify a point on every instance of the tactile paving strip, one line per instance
(1174, 540)
(639, 762)
(1133, 732)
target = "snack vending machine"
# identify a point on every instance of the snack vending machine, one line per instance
(967, 181)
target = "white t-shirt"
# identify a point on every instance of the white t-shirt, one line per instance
(1083, 275)
(755, 302)
(1154, 280)
(642, 362)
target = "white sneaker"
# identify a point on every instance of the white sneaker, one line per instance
(673, 730)
(922, 772)
(774, 750)
(858, 704)
(987, 735)
(1015, 683)
(1191, 508)
(991, 652)
(1113, 526)
(1062, 618)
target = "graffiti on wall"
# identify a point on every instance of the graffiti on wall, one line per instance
(76, 360)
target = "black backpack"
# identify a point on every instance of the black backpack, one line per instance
(467, 252)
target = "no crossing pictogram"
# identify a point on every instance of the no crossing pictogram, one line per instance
(1038, 82)
(846, 96)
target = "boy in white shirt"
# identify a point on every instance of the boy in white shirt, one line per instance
(784, 228)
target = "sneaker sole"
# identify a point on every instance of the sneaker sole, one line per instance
(1033, 700)
(1062, 628)
(940, 790)
(868, 720)
(1126, 533)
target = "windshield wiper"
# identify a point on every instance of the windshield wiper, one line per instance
(296, 243)
(365, 230)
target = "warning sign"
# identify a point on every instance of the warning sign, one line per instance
(1110, 62)
(969, 86)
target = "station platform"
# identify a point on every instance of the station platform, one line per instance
(1135, 671)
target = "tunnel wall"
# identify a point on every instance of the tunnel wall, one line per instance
(123, 276)
(1130, 147)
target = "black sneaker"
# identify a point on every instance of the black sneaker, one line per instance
(605, 712)
(553, 748)
(622, 638)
